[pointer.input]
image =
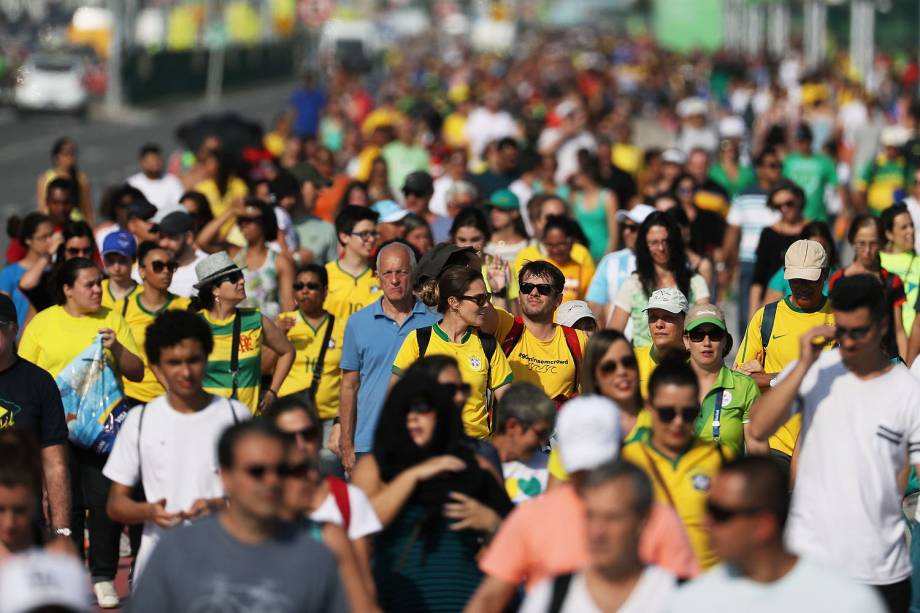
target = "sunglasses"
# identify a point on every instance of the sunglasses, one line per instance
(697, 335)
(721, 515)
(608, 367)
(308, 285)
(688, 415)
(454, 388)
(296, 471)
(159, 266)
(544, 289)
(307, 433)
(242, 221)
(781, 204)
(480, 299)
(75, 252)
(233, 277)
(367, 235)
(857, 334)
(259, 471)
(773, 165)
(630, 227)
(421, 407)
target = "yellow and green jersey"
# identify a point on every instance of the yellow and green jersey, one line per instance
(348, 293)
(907, 266)
(218, 377)
(138, 318)
(108, 300)
(308, 342)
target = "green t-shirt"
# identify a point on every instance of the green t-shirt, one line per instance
(739, 392)
(745, 177)
(813, 173)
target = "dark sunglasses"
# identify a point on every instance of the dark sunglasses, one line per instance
(296, 471)
(453, 388)
(309, 285)
(233, 277)
(545, 289)
(780, 204)
(608, 367)
(480, 299)
(688, 415)
(159, 266)
(259, 471)
(720, 514)
(630, 227)
(307, 433)
(77, 252)
(857, 334)
(420, 407)
(697, 335)
(242, 221)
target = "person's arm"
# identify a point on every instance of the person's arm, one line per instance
(86, 200)
(348, 400)
(618, 319)
(122, 508)
(771, 410)
(613, 227)
(900, 335)
(33, 274)
(129, 365)
(730, 246)
(772, 295)
(389, 498)
(336, 540)
(57, 483)
(913, 342)
(752, 445)
(492, 596)
(210, 233)
(276, 340)
(285, 269)
(40, 203)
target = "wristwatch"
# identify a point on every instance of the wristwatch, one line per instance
(65, 532)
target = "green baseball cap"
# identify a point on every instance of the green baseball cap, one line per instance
(505, 200)
(701, 314)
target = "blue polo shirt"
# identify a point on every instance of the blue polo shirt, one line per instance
(372, 341)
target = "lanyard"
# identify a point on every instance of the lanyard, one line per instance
(717, 414)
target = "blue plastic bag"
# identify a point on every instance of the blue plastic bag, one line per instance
(93, 401)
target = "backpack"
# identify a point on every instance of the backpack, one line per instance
(571, 341)
(766, 325)
(339, 490)
(560, 590)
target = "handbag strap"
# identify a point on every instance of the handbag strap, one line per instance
(656, 474)
(318, 367)
(235, 351)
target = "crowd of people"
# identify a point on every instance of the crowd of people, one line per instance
(457, 342)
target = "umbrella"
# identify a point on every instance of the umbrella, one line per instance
(236, 133)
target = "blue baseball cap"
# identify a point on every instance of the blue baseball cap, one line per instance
(388, 211)
(121, 242)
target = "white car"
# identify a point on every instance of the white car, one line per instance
(51, 82)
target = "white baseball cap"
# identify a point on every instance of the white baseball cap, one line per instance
(669, 299)
(588, 432)
(637, 214)
(732, 127)
(42, 579)
(570, 312)
(673, 155)
(689, 107)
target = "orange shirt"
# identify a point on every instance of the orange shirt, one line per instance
(328, 200)
(548, 536)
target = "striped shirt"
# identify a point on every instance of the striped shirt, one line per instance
(218, 378)
(750, 212)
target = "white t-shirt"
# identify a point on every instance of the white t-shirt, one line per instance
(161, 193)
(178, 456)
(184, 279)
(286, 227)
(526, 480)
(856, 436)
(652, 593)
(807, 587)
(364, 520)
(913, 207)
(483, 126)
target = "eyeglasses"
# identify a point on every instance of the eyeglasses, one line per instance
(76, 252)
(412, 192)
(242, 221)
(310, 432)
(608, 367)
(479, 299)
(781, 204)
(544, 289)
(367, 235)
(296, 471)
(259, 471)
(420, 407)
(697, 335)
(233, 277)
(721, 515)
(454, 388)
(310, 285)
(159, 266)
(857, 334)
(687, 414)
(630, 227)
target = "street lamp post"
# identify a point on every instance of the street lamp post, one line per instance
(113, 91)
(815, 28)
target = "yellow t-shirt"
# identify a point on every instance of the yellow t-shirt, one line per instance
(307, 343)
(54, 337)
(549, 365)
(646, 363)
(453, 130)
(218, 377)
(236, 190)
(348, 294)
(783, 347)
(138, 318)
(578, 272)
(471, 358)
(108, 300)
(683, 484)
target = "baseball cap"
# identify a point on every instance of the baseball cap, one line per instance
(803, 132)
(731, 127)
(669, 299)
(805, 259)
(570, 312)
(637, 214)
(673, 155)
(37, 579)
(689, 107)
(588, 432)
(433, 262)
(7, 310)
(177, 222)
(704, 314)
(141, 209)
(894, 136)
(121, 242)
(162, 212)
(388, 211)
(419, 182)
(504, 199)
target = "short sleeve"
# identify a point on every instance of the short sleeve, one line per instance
(831, 170)
(597, 290)
(123, 465)
(351, 359)
(554, 465)
(364, 520)
(29, 345)
(407, 354)
(627, 293)
(699, 291)
(501, 370)
(735, 216)
(123, 332)
(665, 543)
(896, 290)
(751, 343)
(538, 599)
(585, 276)
(507, 557)
(53, 423)
(332, 244)
(751, 394)
(776, 281)
(505, 322)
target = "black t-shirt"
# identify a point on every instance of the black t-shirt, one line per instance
(488, 182)
(622, 184)
(771, 254)
(706, 232)
(29, 398)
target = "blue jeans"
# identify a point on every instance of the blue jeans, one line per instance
(745, 280)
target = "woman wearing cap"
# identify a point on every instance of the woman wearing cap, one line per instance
(899, 258)
(509, 235)
(661, 261)
(461, 297)
(726, 395)
(221, 289)
(595, 208)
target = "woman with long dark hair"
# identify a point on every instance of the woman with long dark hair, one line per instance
(221, 187)
(419, 469)
(36, 234)
(76, 241)
(661, 261)
(64, 165)
(898, 255)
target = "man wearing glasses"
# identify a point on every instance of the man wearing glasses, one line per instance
(317, 336)
(859, 415)
(352, 282)
(140, 308)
